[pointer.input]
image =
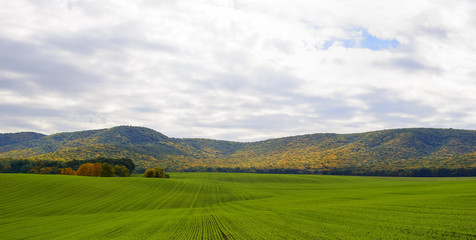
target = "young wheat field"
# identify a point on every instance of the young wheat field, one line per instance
(236, 206)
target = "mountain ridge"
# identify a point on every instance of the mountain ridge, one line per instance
(375, 151)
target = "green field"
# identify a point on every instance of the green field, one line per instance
(236, 206)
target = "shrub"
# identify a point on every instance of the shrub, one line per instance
(149, 173)
(155, 173)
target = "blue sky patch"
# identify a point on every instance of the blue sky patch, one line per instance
(361, 38)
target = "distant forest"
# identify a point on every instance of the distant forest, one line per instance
(418, 172)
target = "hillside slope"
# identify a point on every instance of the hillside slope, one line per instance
(15, 138)
(380, 152)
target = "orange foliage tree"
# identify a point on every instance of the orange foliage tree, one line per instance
(68, 171)
(90, 169)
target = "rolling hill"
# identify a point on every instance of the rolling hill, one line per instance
(386, 152)
(14, 138)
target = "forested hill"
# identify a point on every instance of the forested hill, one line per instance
(386, 152)
(14, 138)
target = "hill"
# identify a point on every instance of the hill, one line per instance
(14, 138)
(386, 152)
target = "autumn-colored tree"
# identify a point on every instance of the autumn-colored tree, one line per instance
(90, 169)
(68, 171)
(107, 170)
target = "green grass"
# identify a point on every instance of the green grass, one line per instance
(236, 206)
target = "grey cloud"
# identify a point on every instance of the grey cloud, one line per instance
(246, 115)
(458, 115)
(434, 31)
(19, 117)
(400, 106)
(27, 111)
(410, 65)
(275, 81)
(281, 45)
(145, 109)
(398, 122)
(260, 81)
(326, 107)
(227, 81)
(118, 38)
(17, 124)
(384, 101)
(243, 75)
(75, 119)
(264, 122)
(45, 73)
(383, 107)
(39, 111)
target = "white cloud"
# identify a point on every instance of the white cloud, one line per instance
(240, 70)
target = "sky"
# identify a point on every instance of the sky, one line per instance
(241, 70)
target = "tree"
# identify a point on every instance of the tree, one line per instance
(107, 170)
(48, 170)
(128, 163)
(121, 171)
(90, 169)
(68, 171)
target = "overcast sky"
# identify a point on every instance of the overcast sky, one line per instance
(237, 70)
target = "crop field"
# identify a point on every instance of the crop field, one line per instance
(236, 206)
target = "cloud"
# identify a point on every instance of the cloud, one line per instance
(238, 70)
(42, 71)
(410, 65)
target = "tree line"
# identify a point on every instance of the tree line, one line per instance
(125, 166)
(415, 172)
(92, 167)
(97, 167)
